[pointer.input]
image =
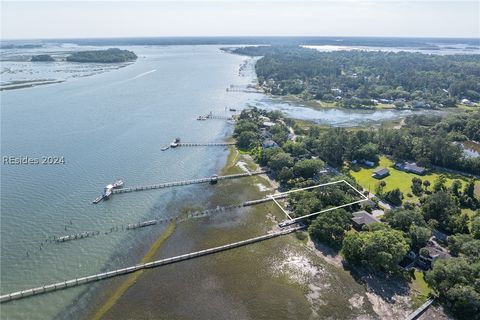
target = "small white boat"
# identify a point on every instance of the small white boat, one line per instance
(118, 184)
(175, 143)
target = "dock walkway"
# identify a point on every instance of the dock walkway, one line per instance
(217, 144)
(154, 264)
(212, 116)
(187, 182)
(417, 313)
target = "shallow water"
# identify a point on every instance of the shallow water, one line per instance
(335, 117)
(111, 125)
(107, 126)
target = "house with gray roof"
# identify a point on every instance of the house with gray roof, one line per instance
(362, 218)
(380, 173)
(414, 168)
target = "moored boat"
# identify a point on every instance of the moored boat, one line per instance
(118, 184)
(175, 143)
(98, 199)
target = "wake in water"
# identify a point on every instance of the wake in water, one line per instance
(142, 74)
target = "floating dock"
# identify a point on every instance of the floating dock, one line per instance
(108, 190)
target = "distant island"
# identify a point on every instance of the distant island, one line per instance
(111, 55)
(20, 46)
(42, 57)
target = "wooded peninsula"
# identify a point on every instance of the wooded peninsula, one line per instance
(363, 79)
(111, 55)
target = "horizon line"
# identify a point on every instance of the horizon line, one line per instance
(241, 36)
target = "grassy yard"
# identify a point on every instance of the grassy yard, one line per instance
(420, 289)
(398, 179)
(385, 106)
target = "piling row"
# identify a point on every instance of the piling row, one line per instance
(192, 215)
(186, 182)
(77, 236)
(141, 224)
(110, 274)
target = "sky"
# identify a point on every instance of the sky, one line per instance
(108, 18)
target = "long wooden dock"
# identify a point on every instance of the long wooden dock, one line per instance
(215, 144)
(212, 116)
(154, 264)
(187, 182)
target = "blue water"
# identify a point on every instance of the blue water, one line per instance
(336, 117)
(106, 126)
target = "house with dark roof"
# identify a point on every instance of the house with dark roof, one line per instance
(412, 167)
(368, 163)
(362, 218)
(429, 255)
(269, 143)
(380, 173)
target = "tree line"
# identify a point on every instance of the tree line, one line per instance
(111, 55)
(359, 77)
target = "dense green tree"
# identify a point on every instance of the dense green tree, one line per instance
(394, 196)
(247, 140)
(441, 207)
(380, 187)
(280, 160)
(245, 125)
(381, 249)
(426, 184)
(363, 76)
(456, 281)
(404, 219)
(470, 189)
(475, 227)
(308, 168)
(417, 188)
(440, 183)
(419, 236)
(368, 151)
(111, 55)
(297, 150)
(464, 244)
(331, 226)
(456, 187)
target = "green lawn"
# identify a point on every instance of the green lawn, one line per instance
(385, 106)
(397, 179)
(420, 289)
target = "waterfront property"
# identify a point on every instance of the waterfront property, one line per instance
(398, 178)
(429, 254)
(269, 143)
